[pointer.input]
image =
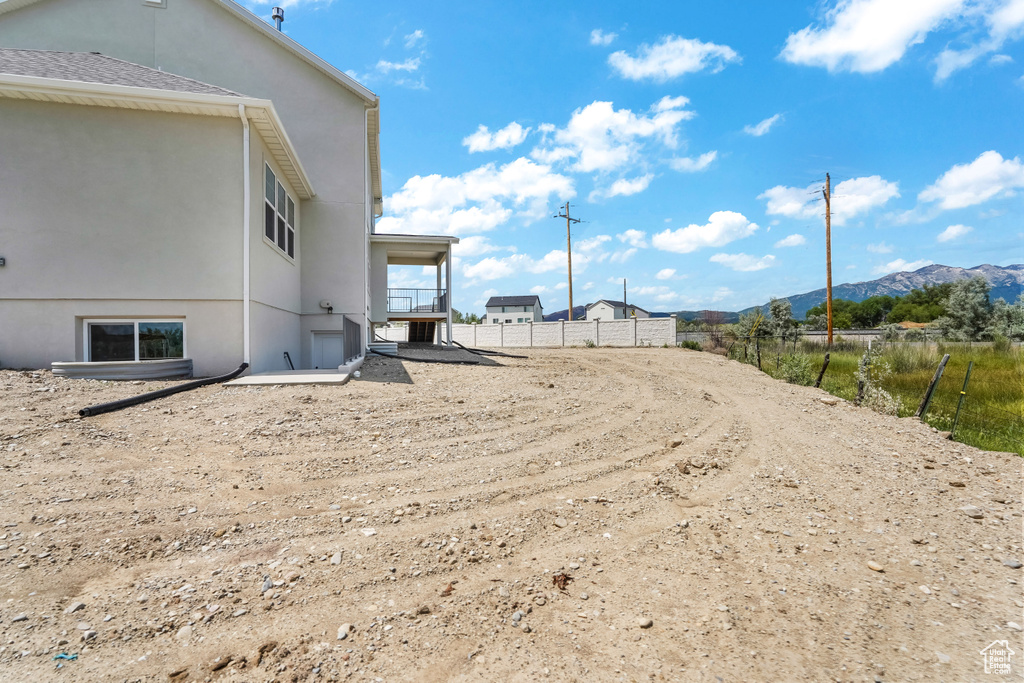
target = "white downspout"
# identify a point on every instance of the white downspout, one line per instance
(368, 217)
(245, 232)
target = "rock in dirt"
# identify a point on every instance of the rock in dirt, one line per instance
(874, 566)
(645, 622)
(972, 512)
(74, 607)
(1012, 563)
(344, 630)
(561, 522)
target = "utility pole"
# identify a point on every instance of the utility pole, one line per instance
(568, 246)
(828, 253)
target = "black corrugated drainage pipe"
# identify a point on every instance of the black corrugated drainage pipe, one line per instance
(159, 393)
(487, 352)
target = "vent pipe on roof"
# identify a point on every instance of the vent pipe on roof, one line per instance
(278, 15)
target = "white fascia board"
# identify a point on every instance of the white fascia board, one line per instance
(384, 237)
(260, 112)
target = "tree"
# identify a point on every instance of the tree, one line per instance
(1007, 320)
(780, 323)
(968, 311)
(458, 317)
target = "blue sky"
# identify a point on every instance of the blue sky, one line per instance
(693, 141)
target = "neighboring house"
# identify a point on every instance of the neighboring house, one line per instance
(514, 309)
(180, 180)
(605, 309)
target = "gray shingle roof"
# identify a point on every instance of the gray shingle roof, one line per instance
(617, 304)
(513, 300)
(91, 67)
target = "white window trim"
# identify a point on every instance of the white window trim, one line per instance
(263, 218)
(134, 321)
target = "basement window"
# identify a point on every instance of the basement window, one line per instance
(133, 340)
(278, 215)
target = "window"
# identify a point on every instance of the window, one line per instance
(134, 340)
(278, 215)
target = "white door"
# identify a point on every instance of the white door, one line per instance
(328, 349)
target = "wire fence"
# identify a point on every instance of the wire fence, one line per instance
(991, 411)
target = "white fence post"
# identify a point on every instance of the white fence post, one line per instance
(634, 332)
(597, 332)
(675, 326)
(531, 334)
(561, 333)
(501, 334)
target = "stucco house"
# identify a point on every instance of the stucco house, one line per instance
(181, 182)
(514, 309)
(606, 309)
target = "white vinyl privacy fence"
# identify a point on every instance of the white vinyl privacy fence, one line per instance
(630, 332)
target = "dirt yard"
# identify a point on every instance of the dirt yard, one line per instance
(587, 514)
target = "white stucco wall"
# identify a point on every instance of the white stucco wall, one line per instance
(324, 120)
(37, 332)
(616, 333)
(578, 332)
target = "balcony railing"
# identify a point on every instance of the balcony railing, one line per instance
(417, 301)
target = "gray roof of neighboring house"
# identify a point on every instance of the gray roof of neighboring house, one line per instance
(617, 304)
(513, 300)
(92, 67)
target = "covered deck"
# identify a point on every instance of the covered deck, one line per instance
(424, 309)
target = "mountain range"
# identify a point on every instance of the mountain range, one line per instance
(1007, 282)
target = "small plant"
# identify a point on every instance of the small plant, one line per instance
(891, 333)
(871, 372)
(692, 345)
(589, 343)
(797, 369)
(914, 334)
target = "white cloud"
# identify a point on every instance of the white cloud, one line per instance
(688, 165)
(484, 141)
(743, 262)
(761, 128)
(601, 138)
(671, 57)
(634, 238)
(868, 35)
(900, 266)
(476, 201)
(474, 245)
(953, 232)
(586, 288)
(539, 289)
(1005, 22)
(484, 296)
(986, 177)
(721, 293)
(794, 240)
(665, 274)
(880, 248)
(563, 285)
(623, 187)
(599, 37)
(413, 39)
(409, 65)
(592, 243)
(622, 256)
(722, 228)
(999, 60)
(492, 268)
(849, 198)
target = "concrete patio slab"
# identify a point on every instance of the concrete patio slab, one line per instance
(291, 377)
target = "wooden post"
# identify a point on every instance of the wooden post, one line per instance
(822, 373)
(960, 402)
(828, 254)
(757, 347)
(923, 408)
(861, 385)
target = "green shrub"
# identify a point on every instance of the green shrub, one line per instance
(797, 369)
(589, 343)
(692, 345)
